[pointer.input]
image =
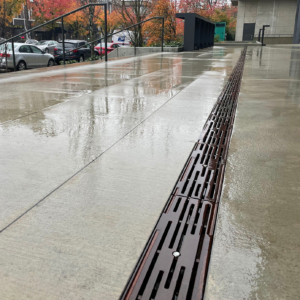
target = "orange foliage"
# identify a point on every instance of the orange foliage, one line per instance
(152, 30)
(113, 21)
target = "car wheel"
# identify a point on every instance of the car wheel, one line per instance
(46, 50)
(51, 63)
(81, 59)
(21, 66)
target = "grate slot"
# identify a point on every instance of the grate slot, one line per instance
(193, 184)
(151, 267)
(178, 283)
(171, 272)
(196, 219)
(198, 253)
(197, 190)
(177, 204)
(186, 225)
(178, 224)
(190, 174)
(156, 285)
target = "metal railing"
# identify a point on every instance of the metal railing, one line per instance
(92, 42)
(261, 34)
(121, 30)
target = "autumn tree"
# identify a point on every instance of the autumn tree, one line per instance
(152, 30)
(113, 22)
(132, 12)
(46, 10)
(77, 22)
(8, 8)
(214, 10)
(90, 17)
(222, 13)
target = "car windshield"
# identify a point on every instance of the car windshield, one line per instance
(42, 43)
(2, 47)
(67, 45)
(103, 45)
(31, 42)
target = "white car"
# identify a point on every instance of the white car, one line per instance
(26, 56)
(47, 46)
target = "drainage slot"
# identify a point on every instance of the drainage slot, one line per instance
(196, 219)
(203, 171)
(178, 224)
(177, 204)
(193, 184)
(156, 285)
(164, 235)
(147, 277)
(151, 267)
(171, 272)
(190, 174)
(197, 190)
(186, 225)
(178, 283)
(196, 263)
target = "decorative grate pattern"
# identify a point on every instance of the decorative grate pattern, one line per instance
(175, 261)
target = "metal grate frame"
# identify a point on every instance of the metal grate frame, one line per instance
(175, 261)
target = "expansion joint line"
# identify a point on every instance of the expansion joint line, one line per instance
(89, 163)
(174, 263)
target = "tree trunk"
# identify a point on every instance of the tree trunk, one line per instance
(3, 25)
(91, 30)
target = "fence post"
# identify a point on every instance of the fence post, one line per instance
(63, 39)
(263, 35)
(105, 30)
(259, 34)
(162, 34)
(13, 51)
(6, 56)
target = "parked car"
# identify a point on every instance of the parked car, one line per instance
(31, 42)
(26, 56)
(100, 48)
(47, 46)
(71, 51)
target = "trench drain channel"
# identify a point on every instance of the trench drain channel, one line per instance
(174, 263)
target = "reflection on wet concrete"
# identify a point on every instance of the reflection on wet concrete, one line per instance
(256, 245)
(136, 120)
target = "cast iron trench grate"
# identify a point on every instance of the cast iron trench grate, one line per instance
(175, 261)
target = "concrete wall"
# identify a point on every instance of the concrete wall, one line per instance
(278, 40)
(129, 51)
(279, 14)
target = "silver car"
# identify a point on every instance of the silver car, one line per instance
(27, 57)
(32, 42)
(47, 46)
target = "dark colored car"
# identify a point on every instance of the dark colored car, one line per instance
(71, 51)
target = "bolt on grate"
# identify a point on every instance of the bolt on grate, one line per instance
(175, 261)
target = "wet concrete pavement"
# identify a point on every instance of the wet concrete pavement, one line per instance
(257, 243)
(89, 155)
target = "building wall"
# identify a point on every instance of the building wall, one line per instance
(279, 14)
